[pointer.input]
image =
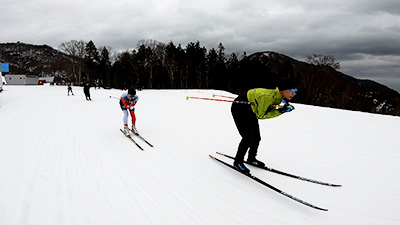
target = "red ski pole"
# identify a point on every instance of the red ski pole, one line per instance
(223, 96)
(219, 100)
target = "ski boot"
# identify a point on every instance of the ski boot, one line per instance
(241, 167)
(126, 131)
(134, 130)
(256, 163)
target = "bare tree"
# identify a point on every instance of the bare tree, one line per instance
(75, 49)
(147, 43)
(320, 60)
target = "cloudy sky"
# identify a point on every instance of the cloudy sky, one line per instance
(363, 35)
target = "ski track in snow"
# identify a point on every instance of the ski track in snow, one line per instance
(63, 160)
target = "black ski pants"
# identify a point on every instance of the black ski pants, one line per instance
(247, 125)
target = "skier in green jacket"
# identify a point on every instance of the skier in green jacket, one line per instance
(264, 104)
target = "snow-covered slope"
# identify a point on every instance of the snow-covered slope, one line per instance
(63, 160)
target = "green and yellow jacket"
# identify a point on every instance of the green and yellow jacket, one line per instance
(264, 102)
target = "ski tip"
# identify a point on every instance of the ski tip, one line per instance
(187, 97)
(211, 156)
(219, 153)
(213, 95)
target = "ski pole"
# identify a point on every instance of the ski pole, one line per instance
(220, 100)
(223, 96)
(113, 97)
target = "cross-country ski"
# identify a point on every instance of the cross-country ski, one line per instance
(141, 138)
(287, 174)
(270, 186)
(130, 137)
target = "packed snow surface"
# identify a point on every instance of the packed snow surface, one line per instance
(63, 160)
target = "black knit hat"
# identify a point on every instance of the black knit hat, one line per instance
(287, 83)
(132, 91)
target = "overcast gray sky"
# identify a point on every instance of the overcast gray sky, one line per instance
(364, 36)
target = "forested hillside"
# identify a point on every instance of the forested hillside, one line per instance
(155, 65)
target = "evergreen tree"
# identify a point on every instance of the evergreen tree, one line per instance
(91, 62)
(105, 66)
(195, 62)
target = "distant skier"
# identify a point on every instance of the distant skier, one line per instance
(87, 92)
(127, 102)
(70, 89)
(266, 104)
